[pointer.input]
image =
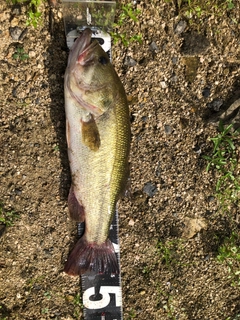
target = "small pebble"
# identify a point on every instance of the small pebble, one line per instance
(181, 26)
(23, 34)
(130, 62)
(14, 22)
(153, 47)
(168, 129)
(174, 60)
(32, 54)
(53, 77)
(16, 10)
(15, 33)
(211, 198)
(163, 84)
(150, 189)
(206, 92)
(174, 78)
(131, 223)
(179, 199)
(215, 104)
(18, 191)
(27, 77)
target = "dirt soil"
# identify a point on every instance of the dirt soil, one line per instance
(171, 225)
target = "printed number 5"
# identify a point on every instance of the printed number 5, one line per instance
(104, 290)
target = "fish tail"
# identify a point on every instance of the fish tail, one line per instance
(91, 257)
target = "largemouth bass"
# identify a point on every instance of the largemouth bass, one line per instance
(98, 140)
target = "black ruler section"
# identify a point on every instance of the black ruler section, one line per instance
(102, 293)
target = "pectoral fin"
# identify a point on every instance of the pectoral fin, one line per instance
(90, 134)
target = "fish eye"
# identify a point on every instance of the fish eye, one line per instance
(103, 60)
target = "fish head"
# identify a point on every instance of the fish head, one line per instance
(91, 76)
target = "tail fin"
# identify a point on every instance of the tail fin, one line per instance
(91, 257)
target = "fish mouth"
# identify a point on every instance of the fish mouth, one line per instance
(82, 53)
(85, 45)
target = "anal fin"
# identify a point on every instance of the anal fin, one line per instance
(76, 210)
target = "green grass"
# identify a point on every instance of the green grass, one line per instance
(223, 161)
(47, 294)
(34, 14)
(78, 305)
(7, 217)
(56, 148)
(168, 252)
(2, 317)
(132, 314)
(169, 308)
(229, 254)
(146, 270)
(126, 14)
(200, 8)
(168, 302)
(19, 54)
(44, 310)
(196, 11)
(236, 317)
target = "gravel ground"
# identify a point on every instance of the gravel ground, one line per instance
(184, 73)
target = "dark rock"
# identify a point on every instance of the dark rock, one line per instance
(150, 189)
(14, 92)
(23, 34)
(215, 105)
(143, 61)
(168, 129)
(16, 10)
(179, 199)
(130, 62)
(2, 228)
(211, 198)
(208, 212)
(174, 78)
(194, 43)
(180, 27)
(197, 149)
(206, 92)
(153, 47)
(15, 33)
(184, 122)
(18, 191)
